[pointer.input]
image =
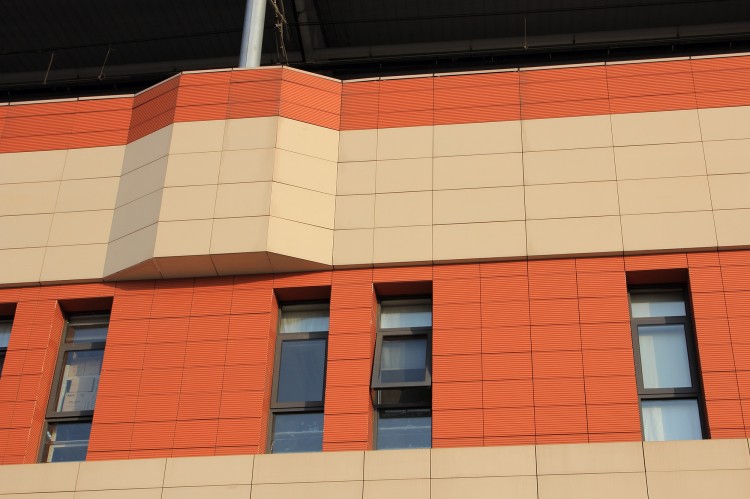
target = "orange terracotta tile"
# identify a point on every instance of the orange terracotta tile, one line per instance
(448, 396)
(449, 341)
(508, 393)
(506, 366)
(605, 390)
(556, 337)
(509, 422)
(454, 368)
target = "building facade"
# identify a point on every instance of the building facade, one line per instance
(541, 268)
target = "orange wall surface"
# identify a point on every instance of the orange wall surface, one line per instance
(524, 352)
(399, 102)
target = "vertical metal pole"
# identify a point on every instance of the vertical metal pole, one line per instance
(252, 33)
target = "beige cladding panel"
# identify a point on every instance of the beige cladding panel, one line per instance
(664, 195)
(303, 205)
(477, 138)
(661, 160)
(727, 156)
(307, 139)
(69, 263)
(247, 166)
(197, 136)
(358, 145)
(454, 192)
(478, 205)
(250, 133)
(566, 133)
(478, 241)
(402, 143)
(725, 123)
(402, 175)
(730, 191)
(28, 199)
(356, 178)
(304, 171)
(571, 200)
(631, 470)
(668, 231)
(661, 127)
(192, 169)
(732, 227)
(575, 165)
(94, 162)
(37, 166)
(484, 170)
(25, 231)
(403, 209)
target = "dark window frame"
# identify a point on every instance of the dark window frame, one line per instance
(4, 350)
(695, 392)
(421, 388)
(300, 407)
(53, 416)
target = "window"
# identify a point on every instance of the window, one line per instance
(299, 379)
(5, 327)
(73, 396)
(401, 374)
(666, 367)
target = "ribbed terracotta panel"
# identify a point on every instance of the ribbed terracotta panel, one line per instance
(479, 96)
(351, 320)
(508, 393)
(615, 362)
(588, 89)
(504, 314)
(709, 305)
(557, 364)
(547, 312)
(506, 339)
(450, 396)
(724, 414)
(595, 285)
(243, 327)
(160, 381)
(548, 286)
(712, 330)
(502, 366)
(606, 336)
(344, 426)
(653, 103)
(456, 368)
(611, 309)
(456, 315)
(123, 357)
(542, 268)
(456, 291)
(357, 295)
(351, 346)
(720, 385)
(348, 372)
(208, 328)
(123, 383)
(453, 341)
(738, 303)
(239, 432)
(194, 406)
(252, 296)
(357, 104)
(606, 390)
(172, 299)
(559, 391)
(509, 422)
(556, 337)
(717, 81)
(622, 417)
(600, 264)
(503, 269)
(164, 356)
(29, 126)
(241, 404)
(348, 400)
(315, 98)
(740, 329)
(200, 113)
(170, 330)
(560, 420)
(663, 85)
(505, 288)
(247, 351)
(161, 407)
(311, 80)
(202, 379)
(565, 109)
(110, 437)
(153, 435)
(240, 377)
(656, 262)
(467, 423)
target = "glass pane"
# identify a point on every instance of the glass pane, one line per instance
(664, 356)
(5, 327)
(303, 321)
(671, 420)
(302, 371)
(67, 442)
(404, 429)
(297, 433)
(80, 380)
(414, 315)
(670, 304)
(403, 360)
(87, 334)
